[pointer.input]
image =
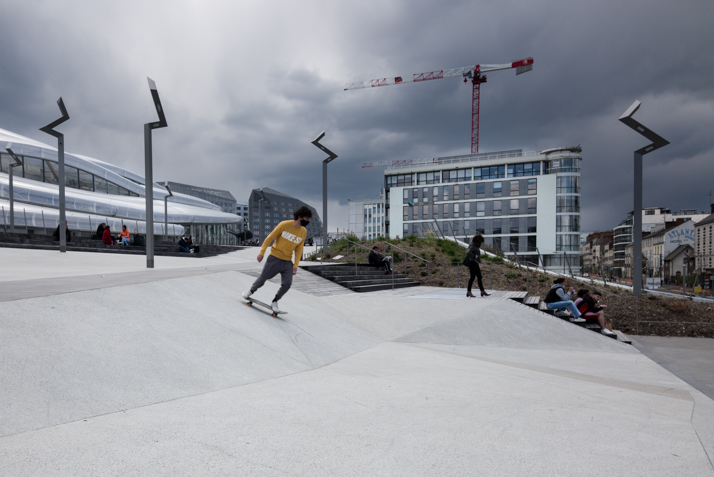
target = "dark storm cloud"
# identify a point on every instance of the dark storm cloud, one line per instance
(247, 87)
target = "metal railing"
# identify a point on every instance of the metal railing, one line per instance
(428, 264)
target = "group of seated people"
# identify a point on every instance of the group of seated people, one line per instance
(104, 234)
(584, 308)
(185, 244)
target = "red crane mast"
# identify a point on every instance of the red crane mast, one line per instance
(474, 73)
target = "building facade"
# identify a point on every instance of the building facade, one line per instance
(704, 248)
(525, 203)
(367, 218)
(595, 252)
(651, 218)
(96, 192)
(221, 198)
(268, 207)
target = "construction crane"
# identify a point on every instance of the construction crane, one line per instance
(473, 73)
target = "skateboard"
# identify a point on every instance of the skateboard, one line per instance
(252, 300)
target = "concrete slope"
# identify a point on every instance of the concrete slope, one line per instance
(76, 355)
(432, 315)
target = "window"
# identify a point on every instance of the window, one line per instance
(649, 212)
(515, 188)
(467, 191)
(531, 225)
(480, 209)
(568, 203)
(406, 213)
(513, 244)
(51, 172)
(568, 185)
(514, 207)
(406, 196)
(425, 212)
(532, 206)
(425, 193)
(86, 181)
(456, 210)
(497, 189)
(446, 210)
(457, 226)
(527, 169)
(467, 226)
(497, 226)
(567, 223)
(497, 243)
(457, 175)
(401, 180)
(532, 246)
(515, 229)
(563, 165)
(567, 243)
(33, 168)
(493, 172)
(424, 178)
(496, 207)
(457, 189)
(436, 193)
(481, 190)
(71, 177)
(532, 186)
(481, 227)
(415, 213)
(467, 209)
(446, 192)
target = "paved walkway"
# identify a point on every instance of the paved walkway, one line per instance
(173, 376)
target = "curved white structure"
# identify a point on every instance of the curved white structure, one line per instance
(98, 192)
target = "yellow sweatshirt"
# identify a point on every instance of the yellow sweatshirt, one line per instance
(288, 238)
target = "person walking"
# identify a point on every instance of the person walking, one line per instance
(472, 260)
(289, 237)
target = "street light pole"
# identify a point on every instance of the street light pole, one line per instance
(18, 162)
(331, 157)
(149, 172)
(49, 129)
(657, 143)
(166, 212)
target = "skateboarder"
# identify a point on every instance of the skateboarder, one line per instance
(289, 238)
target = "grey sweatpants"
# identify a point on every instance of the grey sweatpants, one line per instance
(272, 267)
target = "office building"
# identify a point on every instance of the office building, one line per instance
(275, 207)
(367, 218)
(96, 192)
(525, 203)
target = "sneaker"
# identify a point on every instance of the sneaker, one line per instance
(605, 331)
(577, 320)
(247, 294)
(275, 308)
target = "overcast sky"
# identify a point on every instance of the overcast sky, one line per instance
(246, 85)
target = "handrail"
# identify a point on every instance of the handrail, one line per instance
(428, 264)
(348, 254)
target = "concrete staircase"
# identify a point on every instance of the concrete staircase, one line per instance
(364, 278)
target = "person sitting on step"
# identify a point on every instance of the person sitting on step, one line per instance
(376, 259)
(591, 310)
(558, 299)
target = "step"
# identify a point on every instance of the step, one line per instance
(359, 283)
(370, 288)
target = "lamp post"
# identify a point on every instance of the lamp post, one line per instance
(49, 129)
(331, 157)
(166, 212)
(149, 172)
(18, 162)
(260, 217)
(657, 143)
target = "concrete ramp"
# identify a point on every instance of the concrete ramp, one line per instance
(77, 355)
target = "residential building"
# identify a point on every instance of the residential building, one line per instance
(662, 241)
(651, 217)
(521, 202)
(367, 218)
(96, 192)
(703, 248)
(595, 249)
(275, 207)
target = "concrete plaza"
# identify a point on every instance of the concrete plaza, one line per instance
(112, 369)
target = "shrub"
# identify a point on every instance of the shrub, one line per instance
(512, 275)
(433, 272)
(677, 306)
(423, 274)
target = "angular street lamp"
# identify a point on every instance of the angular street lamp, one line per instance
(331, 157)
(166, 213)
(18, 162)
(49, 129)
(149, 173)
(657, 143)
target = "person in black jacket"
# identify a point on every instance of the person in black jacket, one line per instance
(56, 233)
(472, 260)
(100, 231)
(378, 260)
